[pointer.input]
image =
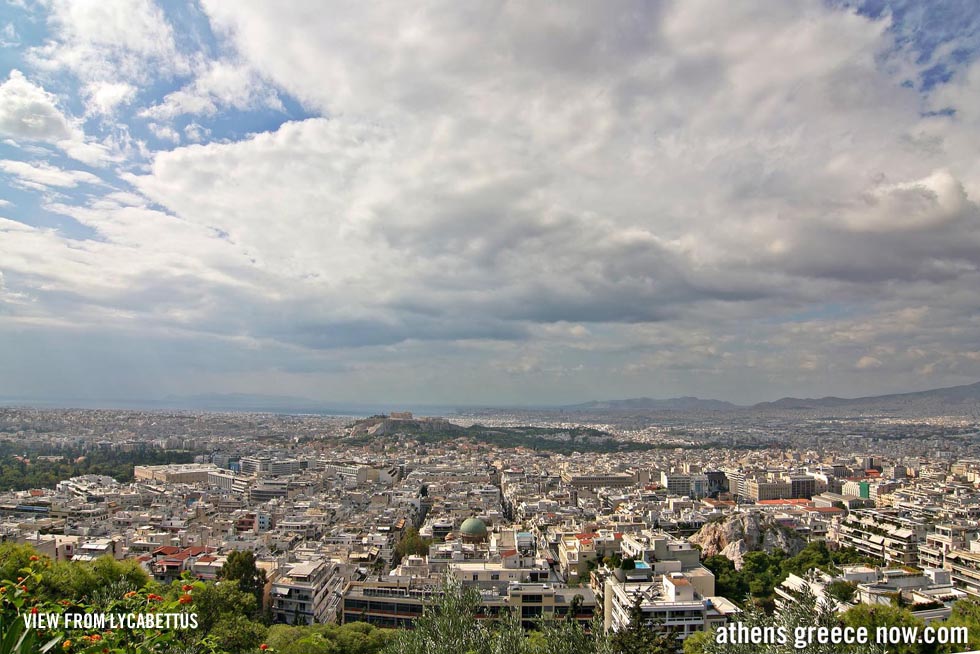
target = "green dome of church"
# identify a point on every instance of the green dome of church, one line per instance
(473, 527)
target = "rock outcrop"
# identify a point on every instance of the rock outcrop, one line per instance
(740, 533)
(735, 552)
(385, 425)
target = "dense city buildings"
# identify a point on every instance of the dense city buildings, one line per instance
(602, 517)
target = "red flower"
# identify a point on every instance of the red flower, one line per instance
(185, 599)
(263, 647)
(33, 610)
(130, 594)
(35, 558)
(186, 588)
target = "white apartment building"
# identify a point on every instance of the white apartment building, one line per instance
(302, 595)
(668, 602)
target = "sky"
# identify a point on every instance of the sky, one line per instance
(488, 202)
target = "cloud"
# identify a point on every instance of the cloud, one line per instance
(103, 98)
(926, 204)
(9, 37)
(164, 132)
(44, 175)
(112, 42)
(740, 196)
(29, 112)
(868, 363)
(196, 133)
(218, 85)
(88, 151)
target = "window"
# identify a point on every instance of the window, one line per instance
(530, 612)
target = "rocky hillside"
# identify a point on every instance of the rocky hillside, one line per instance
(385, 425)
(740, 533)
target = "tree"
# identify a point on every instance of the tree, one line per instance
(564, 637)
(350, 638)
(411, 543)
(98, 581)
(24, 596)
(729, 582)
(509, 637)
(448, 626)
(642, 635)
(966, 613)
(357, 637)
(236, 634)
(216, 602)
(697, 643)
(13, 558)
(241, 567)
(453, 624)
(804, 614)
(874, 616)
(842, 591)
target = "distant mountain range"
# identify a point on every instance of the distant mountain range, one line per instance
(959, 396)
(963, 398)
(650, 404)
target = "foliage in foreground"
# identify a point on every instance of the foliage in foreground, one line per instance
(228, 617)
(807, 613)
(453, 625)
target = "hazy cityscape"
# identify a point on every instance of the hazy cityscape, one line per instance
(361, 519)
(489, 327)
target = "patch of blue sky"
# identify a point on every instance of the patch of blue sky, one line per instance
(36, 153)
(10, 59)
(191, 27)
(945, 33)
(27, 207)
(934, 75)
(27, 33)
(10, 151)
(225, 124)
(27, 202)
(151, 94)
(28, 25)
(235, 125)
